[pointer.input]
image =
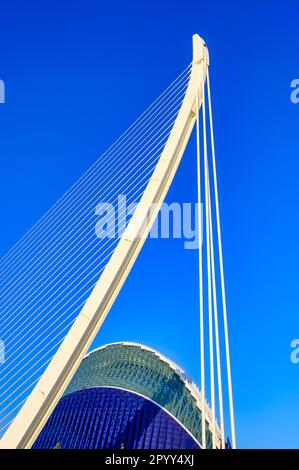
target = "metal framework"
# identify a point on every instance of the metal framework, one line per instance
(144, 371)
(31, 418)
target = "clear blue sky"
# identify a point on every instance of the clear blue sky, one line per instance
(77, 74)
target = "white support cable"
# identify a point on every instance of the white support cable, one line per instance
(55, 311)
(75, 245)
(71, 322)
(209, 283)
(24, 391)
(112, 147)
(95, 274)
(18, 273)
(82, 296)
(121, 164)
(226, 337)
(85, 293)
(140, 160)
(76, 214)
(47, 259)
(56, 305)
(215, 308)
(144, 182)
(91, 260)
(41, 349)
(92, 236)
(96, 163)
(24, 375)
(200, 278)
(16, 408)
(7, 424)
(27, 371)
(38, 407)
(27, 339)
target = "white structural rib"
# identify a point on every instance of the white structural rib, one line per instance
(25, 428)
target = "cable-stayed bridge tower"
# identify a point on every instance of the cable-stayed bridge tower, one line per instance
(59, 282)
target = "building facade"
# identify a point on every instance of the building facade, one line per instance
(126, 395)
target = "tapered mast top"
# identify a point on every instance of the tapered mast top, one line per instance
(200, 50)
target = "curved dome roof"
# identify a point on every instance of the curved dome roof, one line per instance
(146, 372)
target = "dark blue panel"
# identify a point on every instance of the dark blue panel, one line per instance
(108, 418)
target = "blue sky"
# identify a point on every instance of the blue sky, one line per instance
(77, 74)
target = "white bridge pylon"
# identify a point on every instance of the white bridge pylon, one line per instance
(27, 424)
